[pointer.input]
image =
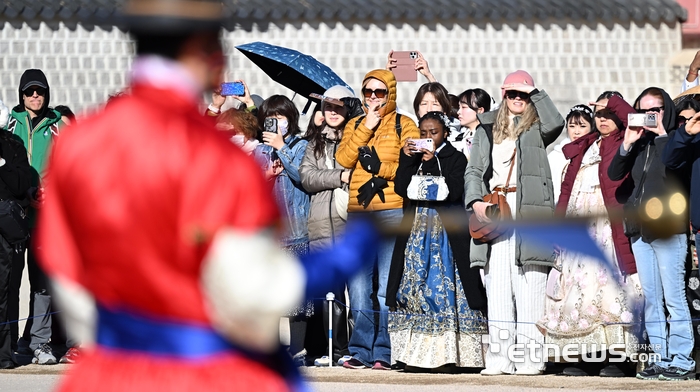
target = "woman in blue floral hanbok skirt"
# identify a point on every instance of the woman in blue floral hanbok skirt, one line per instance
(433, 325)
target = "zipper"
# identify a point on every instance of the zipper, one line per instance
(330, 203)
(30, 137)
(646, 167)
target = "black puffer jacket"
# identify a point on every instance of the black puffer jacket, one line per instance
(15, 174)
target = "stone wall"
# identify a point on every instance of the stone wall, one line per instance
(574, 63)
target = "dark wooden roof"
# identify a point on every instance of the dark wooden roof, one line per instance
(248, 12)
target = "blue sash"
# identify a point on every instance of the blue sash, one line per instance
(125, 330)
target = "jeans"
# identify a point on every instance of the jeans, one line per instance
(370, 342)
(661, 270)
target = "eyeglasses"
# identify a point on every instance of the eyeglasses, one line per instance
(31, 90)
(512, 94)
(379, 93)
(656, 109)
(682, 120)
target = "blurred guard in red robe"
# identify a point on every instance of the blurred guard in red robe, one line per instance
(156, 230)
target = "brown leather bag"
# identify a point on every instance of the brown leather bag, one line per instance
(487, 232)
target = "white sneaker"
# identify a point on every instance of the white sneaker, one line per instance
(344, 359)
(528, 371)
(323, 361)
(44, 356)
(492, 372)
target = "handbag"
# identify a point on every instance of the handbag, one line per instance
(630, 220)
(555, 281)
(13, 222)
(488, 231)
(427, 188)
(341, 197)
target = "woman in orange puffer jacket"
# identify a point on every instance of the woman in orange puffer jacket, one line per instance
(371, 145)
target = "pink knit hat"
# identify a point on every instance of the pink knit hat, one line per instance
(518, 77)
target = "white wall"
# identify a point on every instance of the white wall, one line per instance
(573, 63)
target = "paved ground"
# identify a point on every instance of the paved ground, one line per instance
(35, 378)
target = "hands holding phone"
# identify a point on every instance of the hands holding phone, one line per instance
(245, 98)
(273, 139)
(420, 65)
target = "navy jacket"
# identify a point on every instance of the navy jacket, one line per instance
(681, 152)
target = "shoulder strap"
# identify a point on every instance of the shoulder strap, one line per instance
(644, 177)
(359, 120)
(294, 142)
(512, 163)
(12, 124)
(398, 125)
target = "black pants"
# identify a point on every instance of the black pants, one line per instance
(7, 258)
(36, 330)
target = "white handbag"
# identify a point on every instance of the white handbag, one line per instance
(340, 196)
(428, 188)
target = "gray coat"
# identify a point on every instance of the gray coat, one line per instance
(319, 181)
(535, 195)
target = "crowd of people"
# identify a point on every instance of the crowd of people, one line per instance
(430, 291)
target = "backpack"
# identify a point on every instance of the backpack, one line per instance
(398, 124)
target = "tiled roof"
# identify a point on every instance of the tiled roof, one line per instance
(247, 12)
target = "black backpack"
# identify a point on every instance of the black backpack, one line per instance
(398, 124)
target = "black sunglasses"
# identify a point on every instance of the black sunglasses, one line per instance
(379, 93)
(656, 109)
(30, 91)
(512, 94)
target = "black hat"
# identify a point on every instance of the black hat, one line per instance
(170, 16)
(34, 77)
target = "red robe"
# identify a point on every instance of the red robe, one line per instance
(135, 195)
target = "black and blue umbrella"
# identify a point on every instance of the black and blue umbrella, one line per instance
(298, 72)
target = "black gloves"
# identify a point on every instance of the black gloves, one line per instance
(366, 192)
(370, 160)
(353, 106)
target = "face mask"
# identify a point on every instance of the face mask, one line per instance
(283, 125)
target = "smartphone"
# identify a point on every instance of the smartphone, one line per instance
(405, 70)
(424, 144)
(333, 101)
(270, 125)
(232, 88)
(641, 120)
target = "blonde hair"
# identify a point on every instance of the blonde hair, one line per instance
(504, 129)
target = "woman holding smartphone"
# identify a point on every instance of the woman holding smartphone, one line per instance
(437, 298)
(660, 261)
(514, 140)
(282, 152)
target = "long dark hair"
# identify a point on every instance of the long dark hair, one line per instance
(441, 95)
(283, 106)
(313, 133)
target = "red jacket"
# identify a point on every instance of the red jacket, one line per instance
(615, 193)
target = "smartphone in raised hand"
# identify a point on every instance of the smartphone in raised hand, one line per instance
(232, 89)
(405, 70)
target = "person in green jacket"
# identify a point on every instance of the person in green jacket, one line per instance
(515, 137)
(36, 124)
